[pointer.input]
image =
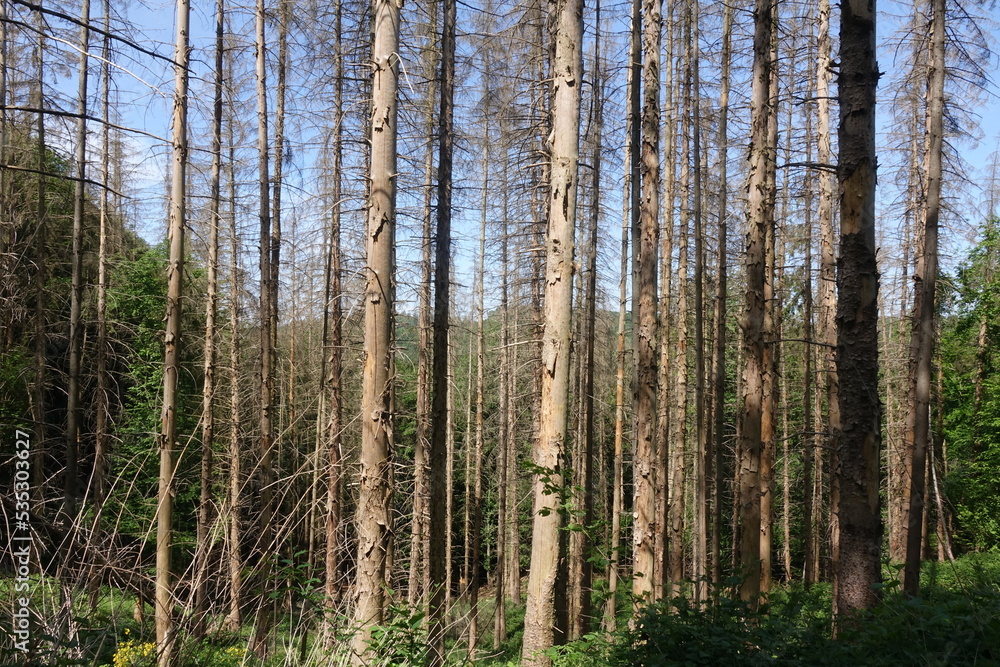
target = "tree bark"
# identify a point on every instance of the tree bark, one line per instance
(918, 432)
(645, 249)
(73, 408)
(374, 519)
(722, 291)
(165, 631)
(759, 221)
(857, 529)
(567, 79)
(211, 311)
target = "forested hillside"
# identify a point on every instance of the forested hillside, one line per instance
(506, 332)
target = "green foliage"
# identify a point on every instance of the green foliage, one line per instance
(969, 337)
(402, 640)
(957, 622)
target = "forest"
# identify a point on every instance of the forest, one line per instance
(506, 333)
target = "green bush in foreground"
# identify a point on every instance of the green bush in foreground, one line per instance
(954, 625)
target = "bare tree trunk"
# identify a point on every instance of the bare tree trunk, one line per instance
(73, 409)
(661, 542)
(335, 424)
(701, 461)
(918, 432)
(419, 585)
(98, 487)
(827, 285)
(234, 619)
(265, 451)
(759, 221)
(202, 550)
(374, 520)
(719, 408)
(808, 439)
(442, 301)
(165, 632)
(857, 528)
(585, 472)
(475, 500)
(39, 403)
(645, 249)
(617, 491)
(678, 421)
(567, 73)
(771, 318)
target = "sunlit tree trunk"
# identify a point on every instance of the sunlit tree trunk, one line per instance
(567, 80)
(759, 220)
(645, 265)
(165, 631)
(211, 310)
(918, 432)
(374, 520)
(827, 286)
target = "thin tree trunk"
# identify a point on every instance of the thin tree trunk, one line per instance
(374, 519)
(701, 462)
(202, 550)
(567, 79)
(39, 403)
(265, 446)
(721, 296)
(165, 632)
(857, 528)
(335, 424)
(582, 622)
(419, 584)
(103, 402)
(442, 301)
(827, 285)
(918, 432)
(73, 408)
(476, 499)
(678, 422)
(234, 619)
(769, 423)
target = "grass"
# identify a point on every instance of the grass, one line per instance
(955, 622)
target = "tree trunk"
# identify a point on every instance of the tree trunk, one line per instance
(335, 424)
(374, 519)
(202, 550)
(701, 461)
(645, 249)
(265, 446)
(857, 528)
(567, 73)
(918, 430)
(442, 301)
(234, 504)
(610, 609)
(719, 408)
(827, 285)
(165, 631)
(759, 221)
(73, 408)
(418, 586)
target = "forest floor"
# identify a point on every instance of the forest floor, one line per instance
(956, 621)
